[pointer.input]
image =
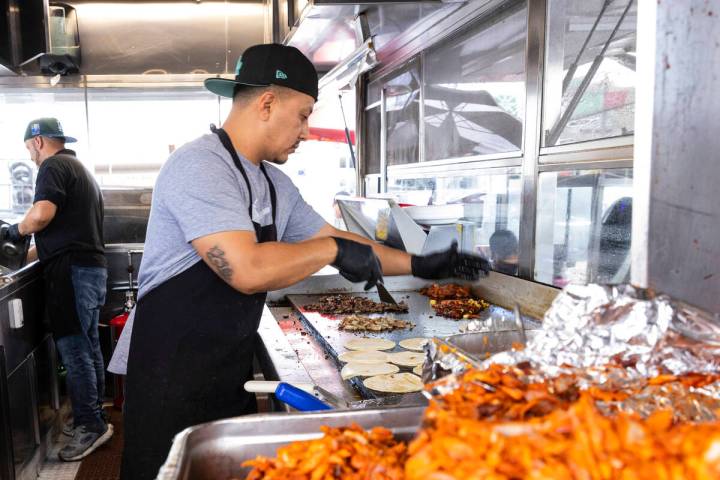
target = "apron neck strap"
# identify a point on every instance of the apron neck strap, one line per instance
(227, 143)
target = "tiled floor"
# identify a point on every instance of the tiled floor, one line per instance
(56, 469)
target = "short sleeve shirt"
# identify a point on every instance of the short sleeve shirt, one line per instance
(199, 192)
(77, 227)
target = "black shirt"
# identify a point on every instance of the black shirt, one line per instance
(77, 227)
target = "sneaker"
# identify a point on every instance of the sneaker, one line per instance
(84, 442)
(69, 428)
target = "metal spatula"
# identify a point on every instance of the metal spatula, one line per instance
(384, 294)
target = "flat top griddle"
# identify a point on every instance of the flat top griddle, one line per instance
(324, 327)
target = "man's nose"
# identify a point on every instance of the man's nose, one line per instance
(305, 131)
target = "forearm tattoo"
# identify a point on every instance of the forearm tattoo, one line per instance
(217, 259)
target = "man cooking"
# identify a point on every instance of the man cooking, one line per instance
(226, 226)
(67, 220)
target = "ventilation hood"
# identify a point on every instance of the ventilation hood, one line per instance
(165, 37)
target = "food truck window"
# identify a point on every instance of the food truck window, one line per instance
(402, 116)
(154, 122)
(589, 90)
(583, 226)
(474, 93)
(485, 206)
(18, 106)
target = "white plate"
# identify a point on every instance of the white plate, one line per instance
(436, 214)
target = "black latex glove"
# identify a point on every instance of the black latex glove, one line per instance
(357, 262)
(449, 264)
(10, 232)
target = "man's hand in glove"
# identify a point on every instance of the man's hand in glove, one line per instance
(10, 232)
(449, 264)
(357, 262)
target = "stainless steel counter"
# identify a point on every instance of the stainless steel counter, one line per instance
(290, 354)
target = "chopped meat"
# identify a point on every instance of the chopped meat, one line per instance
(450, 291)
(339, 304)
(357, 323)
(458, 309)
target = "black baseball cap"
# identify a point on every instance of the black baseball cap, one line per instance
(269, 64)
(47, 127)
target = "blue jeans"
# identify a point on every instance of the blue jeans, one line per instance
(81, 353)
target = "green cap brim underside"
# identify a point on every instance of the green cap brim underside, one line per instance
(224, 87)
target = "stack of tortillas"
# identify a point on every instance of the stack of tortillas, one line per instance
(415, 344)
(395, 383)
(367, 343)
(367, 369)
(407, 359)
(365, 358)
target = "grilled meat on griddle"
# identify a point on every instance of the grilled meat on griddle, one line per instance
(339, 304)
(356, 323)
(451, 291)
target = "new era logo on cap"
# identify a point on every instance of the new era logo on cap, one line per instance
(279, 74)
(47, 127)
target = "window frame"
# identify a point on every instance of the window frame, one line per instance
(533, 158)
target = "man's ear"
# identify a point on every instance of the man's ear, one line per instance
(266, 102)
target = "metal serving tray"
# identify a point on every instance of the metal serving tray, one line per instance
(215, 451)
(480, 345)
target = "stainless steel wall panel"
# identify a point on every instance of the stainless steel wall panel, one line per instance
(166, 38)
(676, 218)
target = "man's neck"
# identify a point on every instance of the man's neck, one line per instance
(243, 138)
(45, 156)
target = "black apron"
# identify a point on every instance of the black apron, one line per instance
(191, 352)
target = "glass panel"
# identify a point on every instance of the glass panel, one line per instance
(589, 94)
(388, 22)
(489, 212)
(583, 226)
(373, 92)
(326, 36)
(151, 125)
(372, 143)
(475, 91)
(322, 167)
(17, 108)
(402, 112)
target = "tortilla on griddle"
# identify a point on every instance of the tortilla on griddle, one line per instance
(418, 370)
(367, 343)
(415, 344)
(395, 383)
(363, 356)
(354, 369)
(407, 359)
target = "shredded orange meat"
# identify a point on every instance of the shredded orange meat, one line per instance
(504, 423)
(449, 291)
(577, 443)
(342, 453)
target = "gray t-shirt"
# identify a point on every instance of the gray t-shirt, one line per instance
(199, 191)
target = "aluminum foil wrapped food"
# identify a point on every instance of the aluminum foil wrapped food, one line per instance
(614, 339)
(594, 325)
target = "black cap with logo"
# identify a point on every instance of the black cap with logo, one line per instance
(269, 64)
(47, 127)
